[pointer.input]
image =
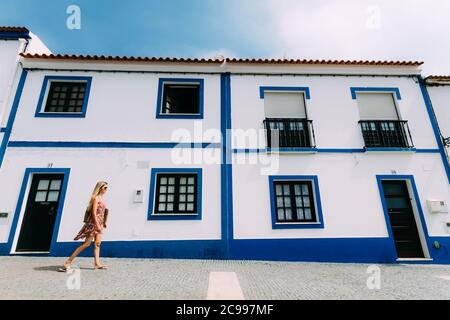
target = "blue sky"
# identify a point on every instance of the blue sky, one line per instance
(320, 29)
(138, 27)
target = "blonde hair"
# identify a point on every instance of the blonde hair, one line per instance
(96, 192)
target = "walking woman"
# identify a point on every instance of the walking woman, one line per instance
(93, 227)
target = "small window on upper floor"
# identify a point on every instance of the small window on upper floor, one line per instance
(180, 98)
(66, 97)
(63, 97)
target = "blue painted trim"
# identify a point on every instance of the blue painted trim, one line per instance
(390, 149)
(348, 250)
(409, 178)
(152, 193)
(305, 90)
(294, 150)
(331, 150)
(344, 250)
(427, 151)
(324, 150)
(226, 170)
(318, 203)
(8, 35)
(39, 109)
(12, 116)
(3, 129)
(80, 144)
(435, 126)
(161, 83)
(20, 203)
(355, 90)
(175, 249)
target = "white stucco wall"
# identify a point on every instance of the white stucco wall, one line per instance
(350, 197)
(121, 107)
(351, 202)
(440, 98)
(119, 167)
(9, 51)
(334, 113)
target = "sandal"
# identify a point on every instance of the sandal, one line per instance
(65, 269)
(100, 267)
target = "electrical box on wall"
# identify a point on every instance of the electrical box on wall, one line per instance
(4, 217)
(436, 206)
(138, 196)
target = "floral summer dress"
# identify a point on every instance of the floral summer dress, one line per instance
(88, 230)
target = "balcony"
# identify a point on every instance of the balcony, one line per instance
(386, 134)
(293, 134)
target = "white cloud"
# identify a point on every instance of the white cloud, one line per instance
(404, 30)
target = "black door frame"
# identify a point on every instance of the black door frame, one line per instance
(21, 206)
(416, 209)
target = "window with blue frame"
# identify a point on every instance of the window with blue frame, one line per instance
(295, 202)
(64, 97)
(180, 98)
(175, 194)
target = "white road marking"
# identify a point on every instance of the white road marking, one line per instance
(444, 277)
(224, 286)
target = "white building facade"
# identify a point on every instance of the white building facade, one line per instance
(229, 159)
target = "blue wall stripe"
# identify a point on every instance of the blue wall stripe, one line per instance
(434, 125)
(324, 150)
(226, 167)
(12, 115)
(80, 144)
(352, 250)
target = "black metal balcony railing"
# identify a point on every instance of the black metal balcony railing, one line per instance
(386, 134)
(289, 133)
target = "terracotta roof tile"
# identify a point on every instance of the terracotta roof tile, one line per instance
(119, 58)
(329, 62)
(220, 60)
(14, 29)
(438, 78)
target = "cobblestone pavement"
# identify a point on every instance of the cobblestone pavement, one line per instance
(37, 278)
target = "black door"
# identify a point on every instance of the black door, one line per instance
(40, 213)
(401, 216)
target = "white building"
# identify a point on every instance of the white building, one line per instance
(352, 168)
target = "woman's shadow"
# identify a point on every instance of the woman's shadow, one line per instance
(56, 268)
